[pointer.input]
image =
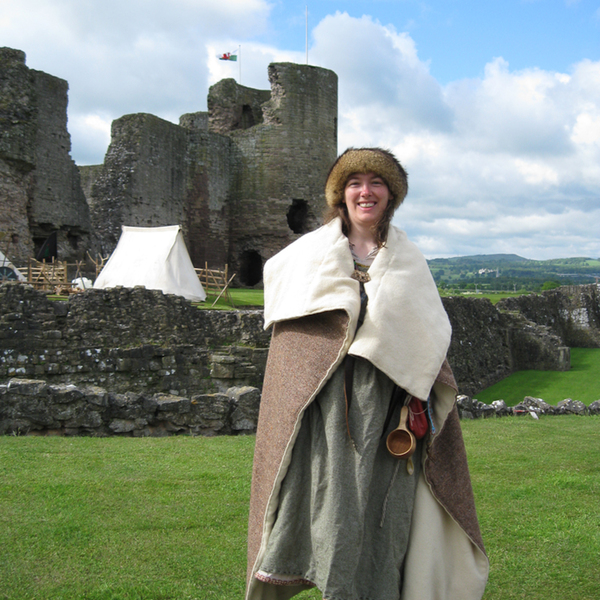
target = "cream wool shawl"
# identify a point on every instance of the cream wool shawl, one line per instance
(406, 332)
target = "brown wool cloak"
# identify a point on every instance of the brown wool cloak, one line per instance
(313, 303)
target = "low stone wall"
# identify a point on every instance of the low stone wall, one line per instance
(138, 343)
(129, 340)
(30, 407)
(488, 344)
(570, 312)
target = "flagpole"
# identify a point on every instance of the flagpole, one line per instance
(240, 62)
(307, 34)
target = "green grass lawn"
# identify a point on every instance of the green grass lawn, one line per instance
(242, 298)
(581, 382)
(250, 297)
(125, 518)
(536, 486)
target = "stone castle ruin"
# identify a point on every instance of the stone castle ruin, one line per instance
(40, 190)
(243, 179)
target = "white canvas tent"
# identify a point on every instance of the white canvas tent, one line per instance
(8, 271)
(154, 257)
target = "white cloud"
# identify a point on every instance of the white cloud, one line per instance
(508, 162)
(94, 131)
(380, 76)
(127, 56)
(536, 173)
(494, 163)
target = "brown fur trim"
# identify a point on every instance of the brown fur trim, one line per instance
(366, 160)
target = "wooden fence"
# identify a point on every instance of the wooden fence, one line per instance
(47, 276)
(216, 282)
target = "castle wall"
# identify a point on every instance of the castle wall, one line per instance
(40, 185)
(280, 166)
(157, 173)
(58, 202)
(129, 340)
(142, 341)
(233, 107)
(15, 188)
(17, 152)
(570, 312)
(244, 180)
(143, 179)
(206, 203)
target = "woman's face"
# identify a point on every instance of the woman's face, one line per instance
(366, 196)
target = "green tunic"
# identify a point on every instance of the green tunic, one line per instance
(345, 507)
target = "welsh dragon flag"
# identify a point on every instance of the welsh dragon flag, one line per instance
(227, 56)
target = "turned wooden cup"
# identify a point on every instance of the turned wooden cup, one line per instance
(401, 442)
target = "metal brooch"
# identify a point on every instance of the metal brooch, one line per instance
(361, 276)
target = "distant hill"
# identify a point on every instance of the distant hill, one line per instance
(482, 258)
(496, 271)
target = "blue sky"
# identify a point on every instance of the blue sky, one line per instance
(458, 37)
(493, 107)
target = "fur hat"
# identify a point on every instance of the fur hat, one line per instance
(366, 160)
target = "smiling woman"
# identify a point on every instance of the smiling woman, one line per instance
(366, 197)
(359, 337)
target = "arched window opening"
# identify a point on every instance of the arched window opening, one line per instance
(247, 120)
(250, 268)
(297, 215)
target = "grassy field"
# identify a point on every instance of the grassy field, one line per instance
(158, 519)
(581, 382)
(244, 297)
(241, 298)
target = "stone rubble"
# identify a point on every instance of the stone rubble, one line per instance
(471, 408)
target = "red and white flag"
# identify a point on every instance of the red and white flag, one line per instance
(228, 56)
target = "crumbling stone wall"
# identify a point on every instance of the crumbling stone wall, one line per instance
(129, 340)
(488, 345)
(232, 106)
(206, 221)
(243, 180)
(17, 151)
(143, 179)
(145, 342)
(571, 312)
(281, 166)
(39, 183)
(34, 407)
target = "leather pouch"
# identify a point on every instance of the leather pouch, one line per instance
(417, 419)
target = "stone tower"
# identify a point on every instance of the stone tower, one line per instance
(40, 190)
(281, 156)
